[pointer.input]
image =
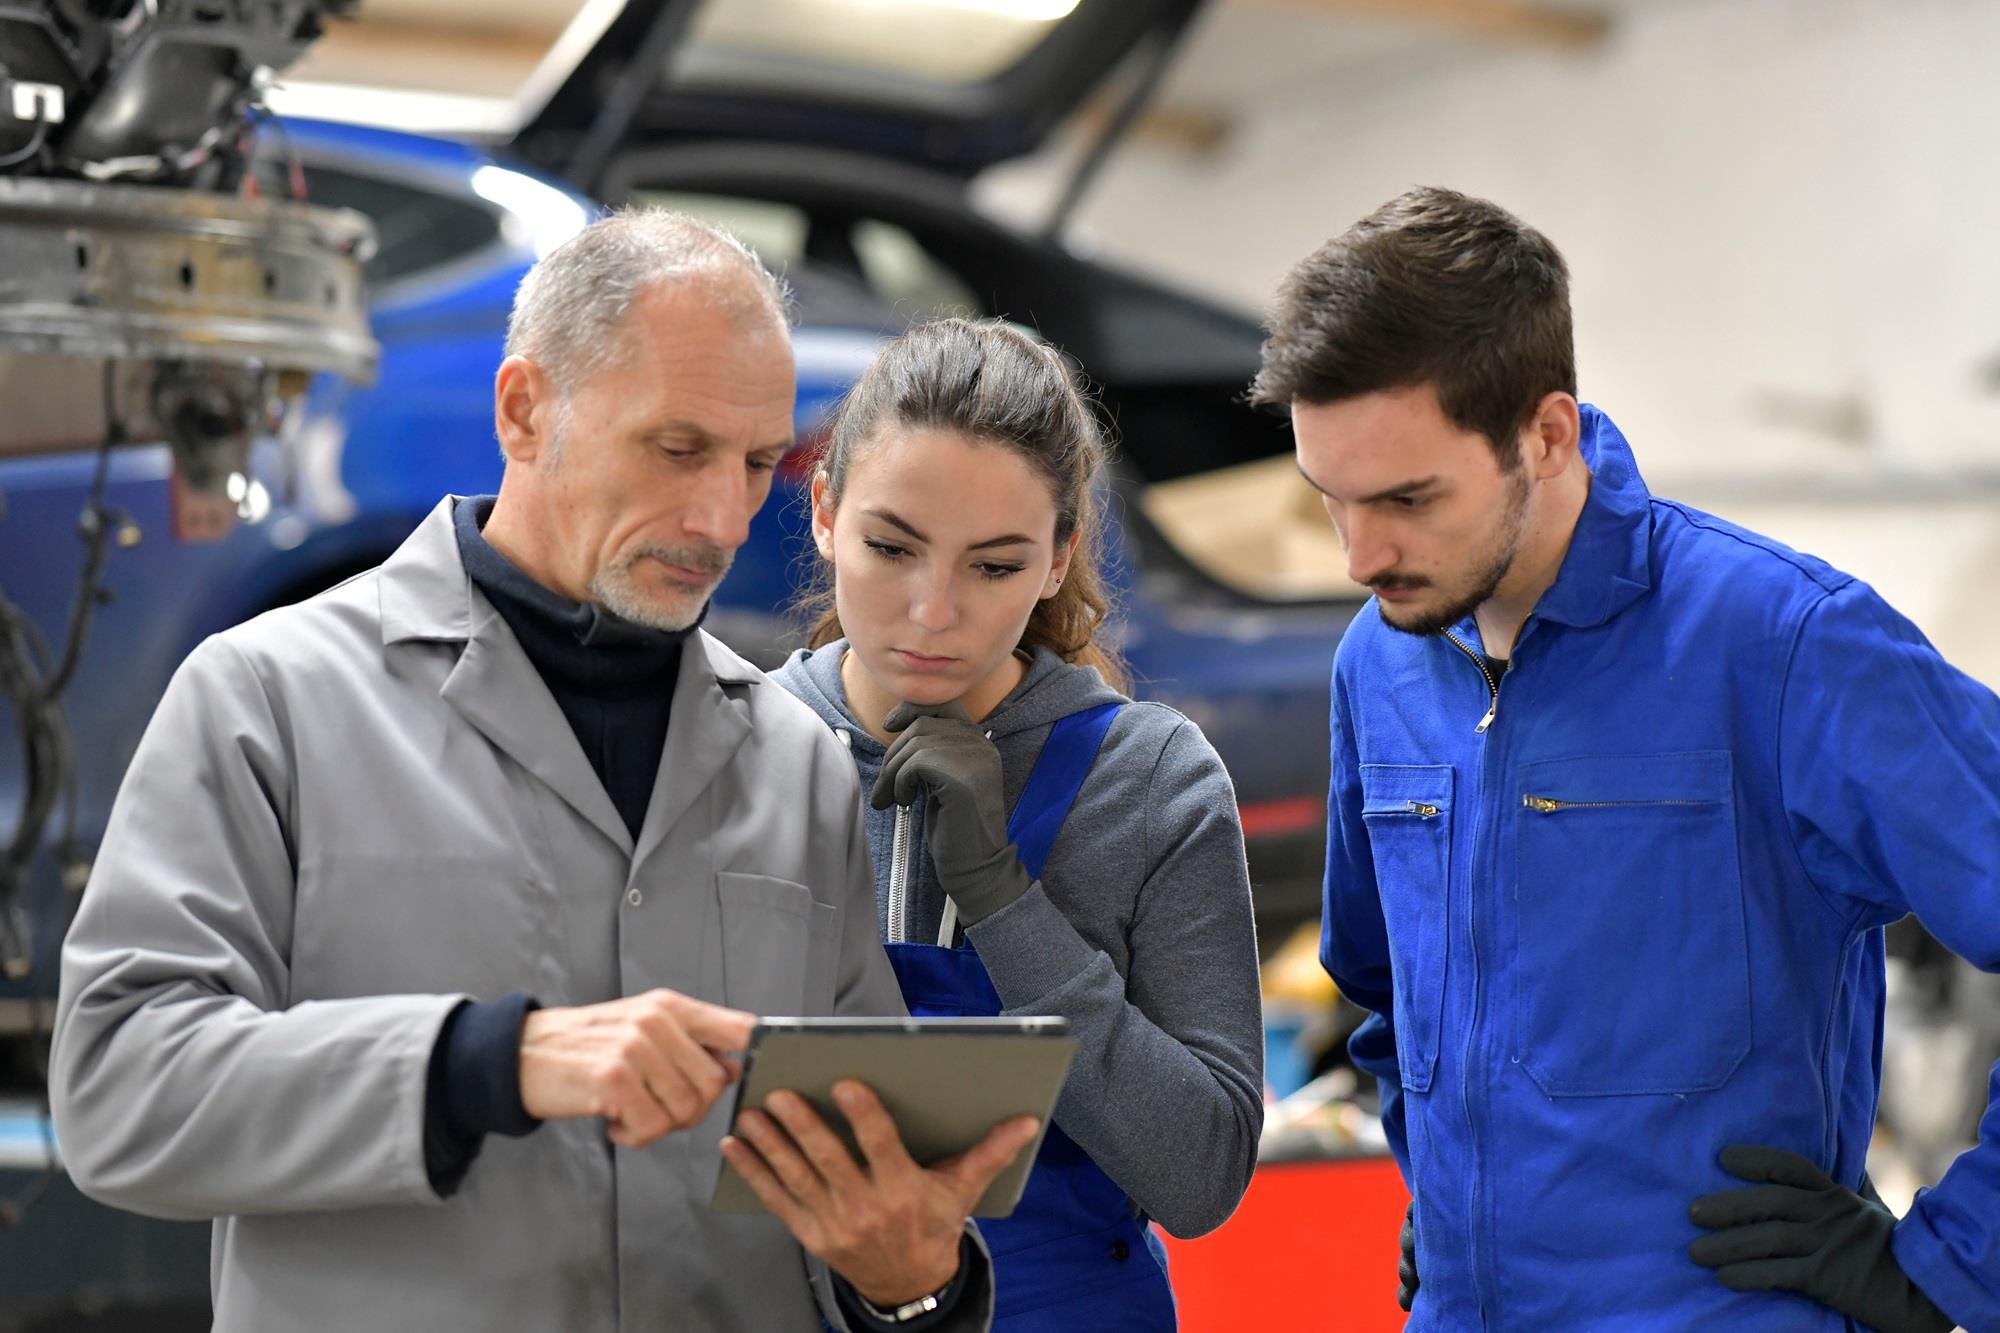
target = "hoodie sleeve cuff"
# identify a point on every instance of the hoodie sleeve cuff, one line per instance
(1031, 949)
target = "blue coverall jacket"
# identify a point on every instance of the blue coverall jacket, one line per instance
(1638, 916)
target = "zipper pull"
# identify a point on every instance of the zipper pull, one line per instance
(1541, 804)
(1492, 710)
(1419, 808)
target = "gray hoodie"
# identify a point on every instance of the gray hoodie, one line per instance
(1139, 933)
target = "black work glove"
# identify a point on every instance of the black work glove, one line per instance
(1796, 1230)
(1406, 1267)
(941, 751)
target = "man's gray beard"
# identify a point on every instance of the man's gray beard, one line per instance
(619, 593)
(1490, 578)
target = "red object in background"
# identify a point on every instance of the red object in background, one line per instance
(1312, 1247)
(1273, 819)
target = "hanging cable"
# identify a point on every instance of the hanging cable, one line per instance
(29, 150)
(32, 682)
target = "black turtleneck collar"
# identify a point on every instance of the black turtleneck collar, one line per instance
(613, 679)
(549, 614)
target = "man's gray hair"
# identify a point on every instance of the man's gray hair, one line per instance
(569, 308)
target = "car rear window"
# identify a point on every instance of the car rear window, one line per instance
(419, 229)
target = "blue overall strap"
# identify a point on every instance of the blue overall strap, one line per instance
(1052, 786)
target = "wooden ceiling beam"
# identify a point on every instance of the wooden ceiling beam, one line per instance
(451, 43)
(1500, 20)
(452, 57)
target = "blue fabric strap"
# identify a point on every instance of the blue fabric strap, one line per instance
(1052, 786)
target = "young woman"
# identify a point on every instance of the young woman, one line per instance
(1043, 844)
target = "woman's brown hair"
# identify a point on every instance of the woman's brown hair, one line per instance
(987, 381)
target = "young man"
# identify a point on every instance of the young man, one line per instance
(1622, 798)
(362, 832)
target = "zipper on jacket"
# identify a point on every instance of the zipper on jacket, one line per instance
(1468, 1053)
(899, 868)
(1492, 685)
(1548, 806)
(1419, 809)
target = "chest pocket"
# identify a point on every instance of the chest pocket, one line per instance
(778, 946)
(1633, 972)
(1407, 809)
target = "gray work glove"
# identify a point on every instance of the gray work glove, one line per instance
(943, 752)
(1406, 1267)
(1797, 1230)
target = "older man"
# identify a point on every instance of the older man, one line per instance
(431, 907)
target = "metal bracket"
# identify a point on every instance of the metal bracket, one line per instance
(139, 272)
(41, 103)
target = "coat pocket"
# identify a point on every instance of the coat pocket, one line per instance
(1633, 972)
(774, 940)
(1407, 809)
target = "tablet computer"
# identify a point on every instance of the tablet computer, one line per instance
(945, 1082)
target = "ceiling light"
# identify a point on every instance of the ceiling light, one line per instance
(550, 216)
(1039, 11)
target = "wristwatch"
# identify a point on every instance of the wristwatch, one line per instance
(907, 1311)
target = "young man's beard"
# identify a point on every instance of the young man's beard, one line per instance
(1484, 583)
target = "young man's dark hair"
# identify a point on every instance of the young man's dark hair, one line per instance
(1433, 287)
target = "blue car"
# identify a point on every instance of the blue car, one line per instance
(861, 198)
(857, 188)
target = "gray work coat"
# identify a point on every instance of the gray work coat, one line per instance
(348, 816)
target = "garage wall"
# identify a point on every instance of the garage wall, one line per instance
(1782, 217)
